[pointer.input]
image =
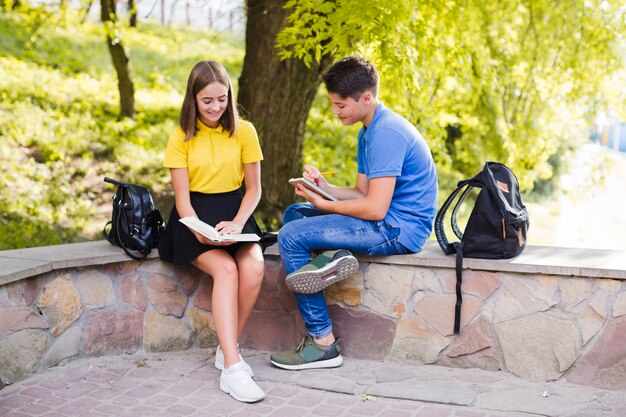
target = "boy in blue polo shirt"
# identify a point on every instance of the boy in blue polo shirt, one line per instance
(389, 211)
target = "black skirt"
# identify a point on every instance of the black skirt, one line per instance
(180, 246)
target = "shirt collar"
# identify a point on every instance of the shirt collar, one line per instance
(202, 128)
(377, 113)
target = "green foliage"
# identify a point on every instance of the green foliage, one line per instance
(505, 80)
(59, 133)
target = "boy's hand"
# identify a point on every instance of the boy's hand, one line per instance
(313, 174)
(309, 195)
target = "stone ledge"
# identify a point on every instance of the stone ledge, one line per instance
(19, 264)
(64, 302)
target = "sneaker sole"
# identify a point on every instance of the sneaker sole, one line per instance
(328, 363)
(243, 400)
(310, 282)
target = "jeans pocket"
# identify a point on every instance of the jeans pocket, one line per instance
(389, 247)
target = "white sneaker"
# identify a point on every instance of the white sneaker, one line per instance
(236, 382)
(219, 361)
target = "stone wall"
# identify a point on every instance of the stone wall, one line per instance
(550, 313)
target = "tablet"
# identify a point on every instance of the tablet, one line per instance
(311, 186)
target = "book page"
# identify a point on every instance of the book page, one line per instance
(210, 232)
(311, 186)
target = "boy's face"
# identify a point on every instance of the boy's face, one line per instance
(351, 111)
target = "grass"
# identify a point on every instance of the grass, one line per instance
(59, 133)
(60, 136)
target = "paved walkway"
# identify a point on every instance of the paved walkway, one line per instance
(185, 383)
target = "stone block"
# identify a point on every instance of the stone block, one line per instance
(611, 286)
(438, 311)
(203, 327)
(364, 335)
(96, 288)
(387, 286)
(133, 291)
(416, 342)
(272, 331)
(480, 283)
(64, 347)
(540, 346)
(268, 296)
(589, 322)
(550, 285)
(574, 290)
(164, 333)
(60, 303)
(619, 305)
(120, 268)
(604, 363)
(188, 277)
(166, 296)
(32, 286)
(286, 299)
(475, 347)
(14, 319)
(598, 303)
(428, 280)
(348, 292)
(517, 297)
(19, 352)
(112, 331)
(156, 266)
(202, 299)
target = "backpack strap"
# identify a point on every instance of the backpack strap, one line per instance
(440, 232)
(453, 222)
(459, 281)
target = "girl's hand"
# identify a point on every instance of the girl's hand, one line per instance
(229, 227)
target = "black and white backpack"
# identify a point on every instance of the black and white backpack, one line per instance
(497, 225)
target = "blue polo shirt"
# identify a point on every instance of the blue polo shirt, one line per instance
(392, 147)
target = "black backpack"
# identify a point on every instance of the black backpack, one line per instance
(497, 225)
(136, 224)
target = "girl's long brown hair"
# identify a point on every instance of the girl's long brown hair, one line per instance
(203, 74)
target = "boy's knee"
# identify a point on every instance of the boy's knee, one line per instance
(291, 213)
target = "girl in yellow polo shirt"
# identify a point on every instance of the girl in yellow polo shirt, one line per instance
(210, 155)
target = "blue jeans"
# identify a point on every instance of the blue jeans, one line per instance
(307, 229)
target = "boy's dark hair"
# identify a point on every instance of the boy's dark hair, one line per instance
(351, 77)
(203, 74)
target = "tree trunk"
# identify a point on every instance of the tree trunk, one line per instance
(120, 60)
(276, 97)
(132, 10)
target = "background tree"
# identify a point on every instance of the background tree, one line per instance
(132, 14)
(507, 80)
(125, 84)
(276, 94)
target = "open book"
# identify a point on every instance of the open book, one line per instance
(311, 186)
(210, 232)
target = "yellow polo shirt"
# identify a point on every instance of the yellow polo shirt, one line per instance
(213, 159)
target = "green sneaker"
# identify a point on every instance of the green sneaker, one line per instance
(309, 355)
(325, 269)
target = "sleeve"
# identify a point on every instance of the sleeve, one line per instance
(176, 151)
(250, 146)
(386, 154)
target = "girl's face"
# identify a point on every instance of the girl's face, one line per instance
(211, 102)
